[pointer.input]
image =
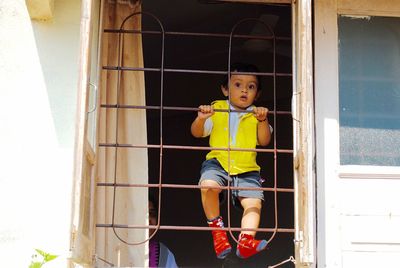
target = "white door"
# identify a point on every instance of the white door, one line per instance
(357, 100)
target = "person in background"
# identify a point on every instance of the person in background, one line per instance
(159, 254)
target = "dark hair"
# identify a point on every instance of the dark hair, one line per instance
(245, 68)
(153, 199)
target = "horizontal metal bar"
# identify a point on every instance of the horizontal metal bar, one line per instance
(122, 68)
(176, 108)
(199, 148)
(190, 186)
(193, 228)
(280, 38)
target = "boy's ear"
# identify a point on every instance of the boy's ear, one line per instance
(225, 91)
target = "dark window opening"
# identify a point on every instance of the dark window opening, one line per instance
(182, 207)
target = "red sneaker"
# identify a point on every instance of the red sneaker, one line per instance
(248, 246)
(221, 243)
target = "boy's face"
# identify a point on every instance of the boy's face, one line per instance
(243, 89)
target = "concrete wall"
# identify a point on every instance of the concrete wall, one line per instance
(38, 80)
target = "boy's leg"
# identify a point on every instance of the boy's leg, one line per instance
(251, 214)
(210, 201)
(210, 198)
(247, 245)
(213, 176)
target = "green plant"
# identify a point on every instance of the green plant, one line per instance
(38, 262)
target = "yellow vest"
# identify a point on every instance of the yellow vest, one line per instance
(246, 138)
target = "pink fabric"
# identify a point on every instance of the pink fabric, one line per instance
(154, 248)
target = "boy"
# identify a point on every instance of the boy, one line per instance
(247, 129)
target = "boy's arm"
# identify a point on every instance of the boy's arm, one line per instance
(263, 130)
(197, 128)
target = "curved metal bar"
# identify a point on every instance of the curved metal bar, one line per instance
(274, 111)
(275, 150)
(120, 44)
(229, 149)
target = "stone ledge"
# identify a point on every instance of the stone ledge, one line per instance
(40, 9)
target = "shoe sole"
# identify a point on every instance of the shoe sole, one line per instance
(224, 253)
(260, 247)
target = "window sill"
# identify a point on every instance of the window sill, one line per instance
(369, 172)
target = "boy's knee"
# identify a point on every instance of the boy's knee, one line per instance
(248, 202)
(210, 187)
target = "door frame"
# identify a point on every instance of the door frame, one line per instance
(303, 134)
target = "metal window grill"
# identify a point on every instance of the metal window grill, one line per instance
(161, 146)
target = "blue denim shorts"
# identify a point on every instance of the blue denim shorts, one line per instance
(212, 170)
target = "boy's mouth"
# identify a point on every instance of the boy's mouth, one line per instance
(243, 98)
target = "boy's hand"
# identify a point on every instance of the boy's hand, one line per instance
(260, 113)
(205, 111)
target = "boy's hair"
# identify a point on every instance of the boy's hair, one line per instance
(244, 67)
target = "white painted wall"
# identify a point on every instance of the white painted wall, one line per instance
(38, 81)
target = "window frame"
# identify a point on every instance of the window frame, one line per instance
(364, 8)
(361, 88)
(304, 142)
(303, 130)
(82, 226)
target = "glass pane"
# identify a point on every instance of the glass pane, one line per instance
(369, 91)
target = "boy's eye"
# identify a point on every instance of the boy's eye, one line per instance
(237, 84)
(252, 86)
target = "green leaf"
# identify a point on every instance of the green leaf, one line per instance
(41, 252)
(35, 264)
(50, 257)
